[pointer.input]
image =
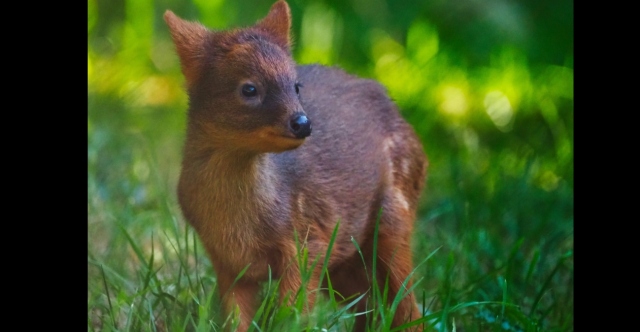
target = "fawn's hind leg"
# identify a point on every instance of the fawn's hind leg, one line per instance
(395, 263)
(350, 280)
(404, 182)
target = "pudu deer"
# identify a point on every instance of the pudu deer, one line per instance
(274, 150)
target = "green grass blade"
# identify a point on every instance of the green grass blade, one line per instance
(504, 295)
(327, 255)
(532, 265)
(545, 286)
(364, 263)
(152, 320)
(106, 288)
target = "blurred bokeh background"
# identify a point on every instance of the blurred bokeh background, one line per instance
(487, 84)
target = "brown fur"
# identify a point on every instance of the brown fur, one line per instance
(247, 184)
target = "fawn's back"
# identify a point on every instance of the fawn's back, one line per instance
(361, 157)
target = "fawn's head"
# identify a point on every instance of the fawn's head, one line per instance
(242, 83)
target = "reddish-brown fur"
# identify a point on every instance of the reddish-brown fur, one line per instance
(247, 183)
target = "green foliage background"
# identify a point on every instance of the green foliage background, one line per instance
(488, 86)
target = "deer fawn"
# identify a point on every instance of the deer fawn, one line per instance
(274, 149)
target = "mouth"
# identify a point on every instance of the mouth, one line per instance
(286, 141)
(289, 136)
(274, 139)
(284, 134)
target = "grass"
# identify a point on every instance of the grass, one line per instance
(493, 251)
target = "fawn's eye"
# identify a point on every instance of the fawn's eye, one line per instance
(298, 85)
(249, 90)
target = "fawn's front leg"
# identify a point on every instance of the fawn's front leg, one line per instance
(240, 295)
(291, 282)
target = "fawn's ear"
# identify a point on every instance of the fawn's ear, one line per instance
(278, 23)
(189, 39)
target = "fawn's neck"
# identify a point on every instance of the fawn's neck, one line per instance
(237, 187)
(235, 202)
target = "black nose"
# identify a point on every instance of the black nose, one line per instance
(300, 126)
